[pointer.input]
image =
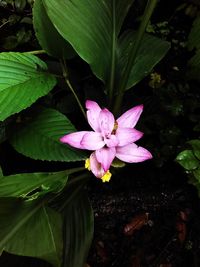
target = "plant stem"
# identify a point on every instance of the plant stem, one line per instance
(36, 52)
(3, 24)
(74, 170)
(151, 4)
(65, 75)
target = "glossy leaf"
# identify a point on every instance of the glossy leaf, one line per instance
(188, 160)
(39, 139)
(32, 185)
(31, 229)
(49, 38)
(195, 144)
(23, 79)
(92, 28)
(151, 51)
(197, 175)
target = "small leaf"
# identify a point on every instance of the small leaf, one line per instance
(197, 175)
(49, 38)
(195, 144)
(187, 159)
(23, 79)
(20, 4)
(194, 43)
(39, 139)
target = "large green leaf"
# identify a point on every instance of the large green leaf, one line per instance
(49, 38)
(78, 227)
(31, 229)
(39, 139)
(151, 51)
(23, 79)
(32, 185)
(92, 28)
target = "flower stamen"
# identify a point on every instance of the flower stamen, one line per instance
(87, 164)
(106, 177)
(115, 128)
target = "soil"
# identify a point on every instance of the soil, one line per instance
(146, 225)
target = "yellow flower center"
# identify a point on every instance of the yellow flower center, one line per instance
(106, 177)
(87, 164)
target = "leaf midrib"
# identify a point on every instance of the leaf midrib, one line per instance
(20, 224)
(113, 50)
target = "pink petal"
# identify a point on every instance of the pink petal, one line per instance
(95, 166)
(105, 156)
(130, 117)
(106, 122)
(74, 139)
(127, 136)
(93, 114)
(132, 153)
(92, 141)
(112, 141)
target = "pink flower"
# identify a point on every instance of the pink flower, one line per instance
(110, 138)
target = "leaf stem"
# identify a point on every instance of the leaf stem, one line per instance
(66, 77)
(3, 24)
(36, 52)
(151, 4)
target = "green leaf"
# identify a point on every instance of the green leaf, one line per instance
(78, 229)
(195, 179)
(32, 185)
(20, 5)
(197, 175)
(23, 79)
(195, 144)
(92, 28)
(151, 51)
(31, 229)
(39, 139)
(49, 38)
(187, 159)
(194, 43)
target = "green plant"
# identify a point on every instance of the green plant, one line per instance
(53, 204)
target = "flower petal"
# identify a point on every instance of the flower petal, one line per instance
(130, 117)
(92, 141)
(74, 139)
(95, 166)
(112, 141)
(105, 156)
(132, 153)
(93, 111)
(127, 136)
(106, 122)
